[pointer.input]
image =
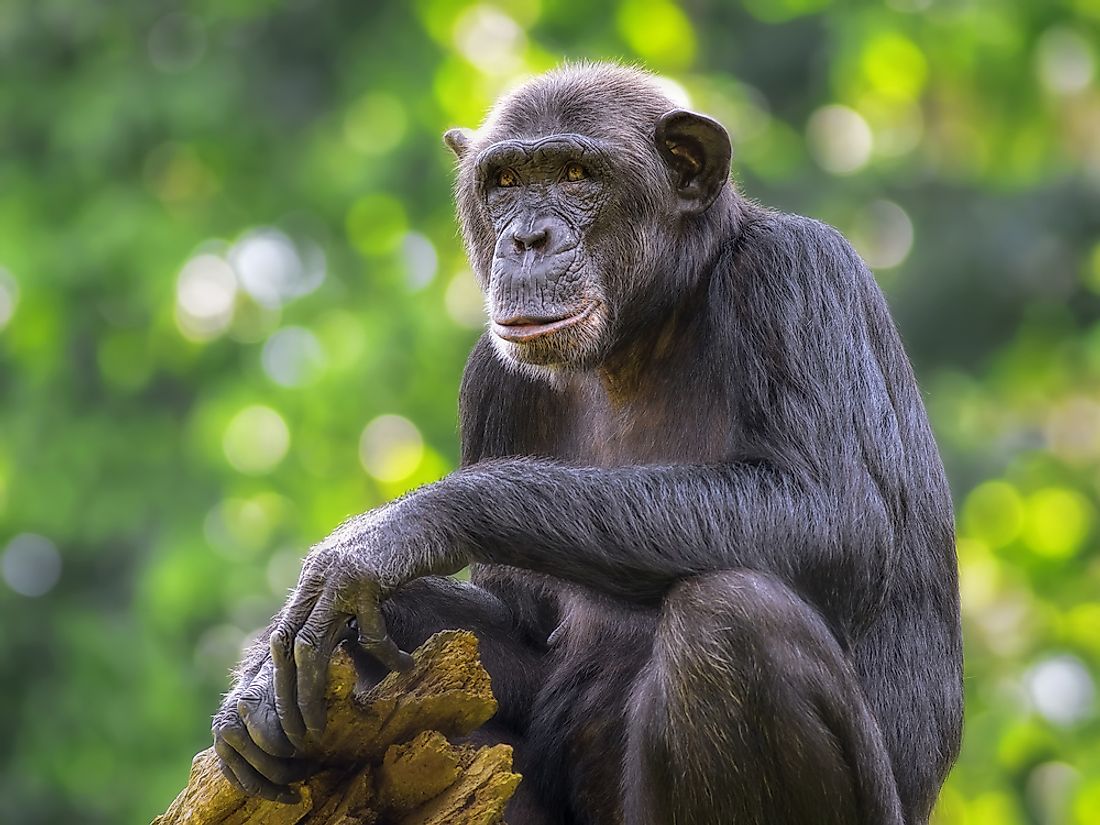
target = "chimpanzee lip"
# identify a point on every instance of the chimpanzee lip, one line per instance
(520, 329)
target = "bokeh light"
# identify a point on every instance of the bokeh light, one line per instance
(839, 139)
(464, 301)
(1062, 689)
(490, 40)
(391, 448)
(1050, 788)
(256, 440)
(9, 297)
(1058, 520)
(882, 234)
(1065, 60)
(1073, 430)
(375, 123)
(994, 513)
(272, 270)
(293, 357)
(206, 294)
(894, 66)
(658, 31)
(376, 223)
(420, 259)
(31, 565)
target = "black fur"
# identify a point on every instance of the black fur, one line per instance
(715, 576)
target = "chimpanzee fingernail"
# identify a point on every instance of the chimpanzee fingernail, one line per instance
(290, 797)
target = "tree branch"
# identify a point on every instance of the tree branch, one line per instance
(385, 754)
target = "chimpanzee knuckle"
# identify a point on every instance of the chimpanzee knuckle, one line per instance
(267, 732)
(248, 701)
(227, 713)
(305, 645)
(257, 695)
(350, 587)
(262, 682)
(225, 722)
(315, 568)
(227, 753)
(280, 643)
(235, 735)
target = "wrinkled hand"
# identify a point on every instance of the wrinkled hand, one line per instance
(268, 726)
(339, 597)
(255, 753)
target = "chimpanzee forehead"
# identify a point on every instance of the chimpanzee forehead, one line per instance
(608, 104)
(545, 148)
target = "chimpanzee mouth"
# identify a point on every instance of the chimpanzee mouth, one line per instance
(520, 329)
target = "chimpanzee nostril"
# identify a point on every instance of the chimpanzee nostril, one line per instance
(534, 237)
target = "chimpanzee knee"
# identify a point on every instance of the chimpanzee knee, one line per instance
(748, 712)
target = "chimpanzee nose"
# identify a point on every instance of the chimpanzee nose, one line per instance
(534, 236)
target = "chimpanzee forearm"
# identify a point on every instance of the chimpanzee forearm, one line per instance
(633, 531)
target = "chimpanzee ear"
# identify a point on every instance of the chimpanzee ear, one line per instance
(697, 150)
(458, 140)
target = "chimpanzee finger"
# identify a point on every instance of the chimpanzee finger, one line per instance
(281, 643)
(279, 771)
(369, 669)
(373, 636)
(286, 689)
(256, 707)
(248, 778)
(313, 648)
(229, 775)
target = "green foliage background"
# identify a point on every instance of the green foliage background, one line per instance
(169, 444)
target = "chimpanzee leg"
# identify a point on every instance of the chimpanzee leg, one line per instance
(749, 713)
(514, 659)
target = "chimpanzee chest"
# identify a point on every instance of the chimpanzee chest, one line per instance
(580, 715)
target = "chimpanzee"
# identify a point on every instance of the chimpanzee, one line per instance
(711, 541)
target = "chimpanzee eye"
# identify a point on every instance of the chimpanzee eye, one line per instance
(575, 172)
(506, 177)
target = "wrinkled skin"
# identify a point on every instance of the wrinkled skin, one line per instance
(710, 537)
(546, 301)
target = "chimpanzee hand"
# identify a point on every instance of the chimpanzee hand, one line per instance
(339, 595)
(255, 753)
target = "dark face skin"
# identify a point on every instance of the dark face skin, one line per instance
(570, 216)
(545, 199)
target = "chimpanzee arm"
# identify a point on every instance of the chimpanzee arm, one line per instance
(633, 531)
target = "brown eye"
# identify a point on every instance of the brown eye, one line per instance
(506, 177)
(575, 172)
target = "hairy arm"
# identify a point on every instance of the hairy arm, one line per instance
(633, 531)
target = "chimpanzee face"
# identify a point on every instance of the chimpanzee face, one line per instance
(572, 203)
(546, 291)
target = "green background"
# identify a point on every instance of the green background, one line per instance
(234, 309)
